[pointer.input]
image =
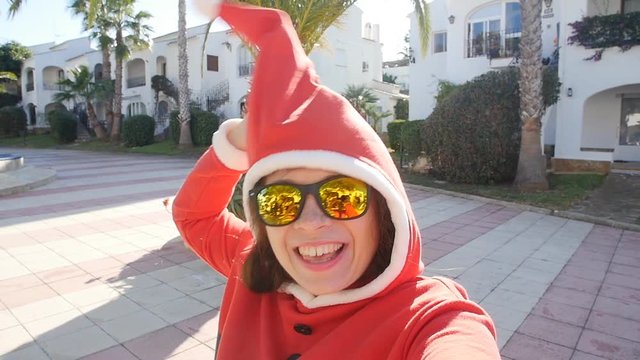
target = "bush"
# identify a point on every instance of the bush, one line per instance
(203, 127)
(394, 129)
(64, 126)
(445, 89)
(473, 135)
(411, 139)
(401, 109)
(13, 120)
(7, 99)
(138, 130)
(203, 124)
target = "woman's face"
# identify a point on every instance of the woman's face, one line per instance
(321, 254)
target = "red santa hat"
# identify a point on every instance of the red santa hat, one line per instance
(295, 122)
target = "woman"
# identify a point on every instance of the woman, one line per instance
(328, 264)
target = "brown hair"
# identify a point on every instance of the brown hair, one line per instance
(262, 272)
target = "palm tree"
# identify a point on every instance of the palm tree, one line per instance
(531, 174)
(130, 34)
(361, 98)
(183, 79)
(83, 89)
(94, 20)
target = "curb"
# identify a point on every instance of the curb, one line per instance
(44, 177)
(560, 213)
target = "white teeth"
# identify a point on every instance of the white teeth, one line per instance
(319, 250)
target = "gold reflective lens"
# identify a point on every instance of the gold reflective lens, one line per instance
(343, 198)
(279, 204)
(339, 197)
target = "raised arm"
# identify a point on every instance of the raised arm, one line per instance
(199, 209)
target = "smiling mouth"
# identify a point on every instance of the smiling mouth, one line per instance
(321, 253)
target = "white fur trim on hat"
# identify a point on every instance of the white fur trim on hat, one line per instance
(342, 164)
(229, 155)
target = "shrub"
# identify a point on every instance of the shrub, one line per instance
(473, 135)
(138, 130)
(203, 124)
(7, 99)
(401, 109)
(411, 139)
(13, 120)
(64, 126)
(394, 129)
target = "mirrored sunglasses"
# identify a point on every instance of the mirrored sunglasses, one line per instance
(339, 197)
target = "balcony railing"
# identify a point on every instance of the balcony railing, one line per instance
(245, 69)
(136, 82)
(53, 87)
(494, 44)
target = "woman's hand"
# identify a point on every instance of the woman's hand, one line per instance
(238, 135)
(209, 8)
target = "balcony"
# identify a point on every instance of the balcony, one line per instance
(245, 69)
(52, 87)
(136, 82)
(494, 45)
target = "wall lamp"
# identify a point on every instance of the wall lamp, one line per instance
(452, 19)
(570, 92)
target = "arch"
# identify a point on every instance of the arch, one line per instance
(611, 122)
(163, 109)
(30, 76)
(161, 66)
(136, 73)
(494, 29)
(50, 77)
(54, 106)
(31, 114)
(98, 72)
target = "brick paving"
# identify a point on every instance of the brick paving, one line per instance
(91, 267)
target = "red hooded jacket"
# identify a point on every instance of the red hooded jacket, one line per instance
(294, 122)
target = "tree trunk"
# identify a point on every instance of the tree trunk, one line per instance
(117, 95)
(183, 78)
(106, 76)
(101, 134)
(531, 174)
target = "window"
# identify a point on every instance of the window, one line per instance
(30, 80)
(212, 63)
(245, 62)
(629, 6)
(440, 42)
(365, 66)
(136, 108)
(494, 31)
(97, 72)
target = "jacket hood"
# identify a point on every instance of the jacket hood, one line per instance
(294, 122)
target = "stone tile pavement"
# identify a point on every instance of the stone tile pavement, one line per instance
(91, 267)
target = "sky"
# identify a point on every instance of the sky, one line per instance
(42, 21)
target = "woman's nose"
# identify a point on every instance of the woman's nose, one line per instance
(311, 216)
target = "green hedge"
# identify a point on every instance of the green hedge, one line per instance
(64, 125)
(394, 129)
(203, 124)
(411, 138)
(13, 120)
(138, 130)
(7, 99)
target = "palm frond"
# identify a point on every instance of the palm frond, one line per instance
(424, 24)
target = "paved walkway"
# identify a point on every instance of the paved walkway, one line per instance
(91, 267)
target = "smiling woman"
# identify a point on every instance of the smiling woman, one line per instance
(330, 244)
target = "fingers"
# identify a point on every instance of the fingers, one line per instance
(209, 8)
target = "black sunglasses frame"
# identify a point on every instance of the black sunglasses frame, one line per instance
(314, 190)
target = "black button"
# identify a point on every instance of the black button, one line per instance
(302, 329)
(294, 357)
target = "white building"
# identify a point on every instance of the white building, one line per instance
(597, 118)
(220, 75)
